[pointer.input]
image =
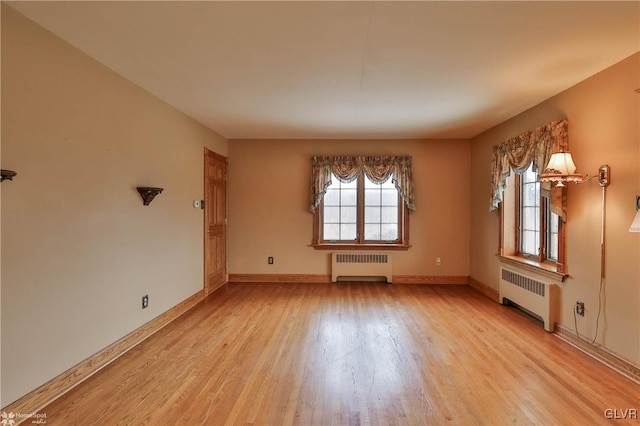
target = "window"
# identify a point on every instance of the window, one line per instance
(531, 235)
(361, 202)
(537, 225)
(340, 218)
(379, 211)
(532, 214)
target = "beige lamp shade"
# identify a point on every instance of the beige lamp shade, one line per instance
(561, 168)
(635, 225)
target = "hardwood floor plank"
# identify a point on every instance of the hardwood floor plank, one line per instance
(348, 354)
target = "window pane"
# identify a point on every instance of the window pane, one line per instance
(372, 231)
(348, 231)
(530, 242)
(331, 232)
(389, 215)
(348, 197)
(530, 239)
(530, 218)
(529, 175)
(332, 215)
(552, 243)
(372, 197)
(348, 214)
(531, 195)
(381, 211)
(390, 197)
(340, 211)
(389, 232)
(554, 223)
(553, 247)
(372, 215)
(331, 197)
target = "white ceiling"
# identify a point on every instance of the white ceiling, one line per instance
(348, 69)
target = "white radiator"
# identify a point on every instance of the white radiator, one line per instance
(361, 265)
(534, 296)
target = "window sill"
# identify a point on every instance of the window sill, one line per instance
(336, 246)
(533, 266)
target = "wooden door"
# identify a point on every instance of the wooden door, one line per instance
(215, 213)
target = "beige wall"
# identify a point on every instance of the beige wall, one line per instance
(603, 113)
(269, 205)
(79, 248)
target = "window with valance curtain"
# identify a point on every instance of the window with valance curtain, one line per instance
(361, 201)
(530, 148)
(347, 169)
(539, 209)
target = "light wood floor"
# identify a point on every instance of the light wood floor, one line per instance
(321, 354)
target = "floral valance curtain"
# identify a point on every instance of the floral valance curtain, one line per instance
(348, 168)
(517, 153)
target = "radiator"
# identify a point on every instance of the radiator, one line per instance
(536, 297)
(361, 265)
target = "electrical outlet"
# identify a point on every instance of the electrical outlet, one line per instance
(580, 308)
(270, 260)
(145, 301)
(438, 261)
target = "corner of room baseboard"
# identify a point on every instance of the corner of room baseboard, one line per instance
(490, 292)
(42, 396)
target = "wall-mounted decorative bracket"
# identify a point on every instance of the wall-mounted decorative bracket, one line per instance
(148, 193)
(7, 175)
